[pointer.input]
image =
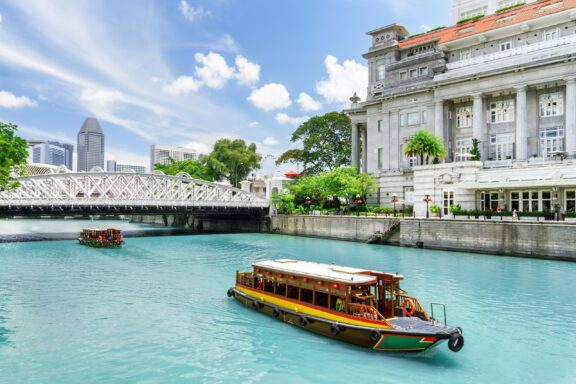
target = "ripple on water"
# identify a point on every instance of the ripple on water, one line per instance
(156, 311)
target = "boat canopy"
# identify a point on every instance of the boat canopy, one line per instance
(324, 271)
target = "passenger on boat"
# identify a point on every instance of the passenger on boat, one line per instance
(339, 305)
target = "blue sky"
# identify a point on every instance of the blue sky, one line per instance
(187, 72)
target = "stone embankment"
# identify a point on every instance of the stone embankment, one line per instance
(552, 240)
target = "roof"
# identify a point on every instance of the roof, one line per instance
(496, 21)
(91, 125)
(318, 270)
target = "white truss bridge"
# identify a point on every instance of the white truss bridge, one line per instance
(105, 192)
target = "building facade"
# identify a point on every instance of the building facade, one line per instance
(161, 154)
(51, 152)
(125, 166)
(464, 9)
(508, 80)
(90, 145)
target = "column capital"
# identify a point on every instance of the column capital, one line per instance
(570, 80)
(521, 87)
(439, 102)
(477, 95)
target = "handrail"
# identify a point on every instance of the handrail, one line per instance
(364, 311)
(419, 309)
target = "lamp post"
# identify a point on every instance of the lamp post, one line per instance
(427, 199)
(237, 167)
(394, 201)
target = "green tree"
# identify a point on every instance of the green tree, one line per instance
(232, 159)
(326, 143)
(195, 168)
(426, 146)
(475, 151)
(341, 182)
(13, 154)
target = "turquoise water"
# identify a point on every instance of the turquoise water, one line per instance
(156, 311)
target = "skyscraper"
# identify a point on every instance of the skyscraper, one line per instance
(90, 145)
(161, 154)
(50, 152)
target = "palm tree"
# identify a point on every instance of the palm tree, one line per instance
(425, 145)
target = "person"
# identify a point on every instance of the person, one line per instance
(339, 305)
(514, 215)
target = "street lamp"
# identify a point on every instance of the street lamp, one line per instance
(427, 199)
(394, 201)
(237, 167)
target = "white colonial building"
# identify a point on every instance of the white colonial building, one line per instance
(507, 79)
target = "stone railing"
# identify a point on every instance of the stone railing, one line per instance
(525, 49)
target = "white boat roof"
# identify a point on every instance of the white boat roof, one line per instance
(324, 271)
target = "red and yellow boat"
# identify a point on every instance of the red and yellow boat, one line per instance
(359, 306)
(101, 237)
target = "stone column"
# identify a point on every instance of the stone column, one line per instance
(570, 112)
(521, 124)
(478, 125)
(364, 150)
(439, 120)
(355, 147)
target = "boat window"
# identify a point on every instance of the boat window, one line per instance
(334, 305)
(269, 286)
(322, 299)
(306, 295)
(281, 289)
(292, 292)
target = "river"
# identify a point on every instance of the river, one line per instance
(156, 311)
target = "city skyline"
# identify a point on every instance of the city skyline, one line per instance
(197, 72)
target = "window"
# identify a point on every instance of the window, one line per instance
(531, 201)
(489, 201)
(402, 120)
(551, 104)
(448, 201)
(413, 73)
(379, 125)
(380, 158)
(423, 71)
(413, 118)
(501, 147)
(502, 111)
(551, 140)
(570, 201)
(473, 12)
(463, 148)
(505, 45)
(463, 117)
(424, 116)
(551, 34)
(403, 75)
(380, 70)
(466, 54)
(508, 3)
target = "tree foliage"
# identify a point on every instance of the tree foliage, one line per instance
(232, 159)
(342, 182)
(326, 143)
(475, 151)
(13, 154)
(195, 168)
(426, 146)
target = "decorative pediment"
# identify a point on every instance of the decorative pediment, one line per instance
(448, 177)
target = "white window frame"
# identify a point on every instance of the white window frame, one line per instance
(505, 45)
(423, 71)
(508, 3)
(464, 117)
(572, 199)
(462, 146)
(424, 117)
(413, 73)
(551, 34)
(502, 111)
(466, 54)
(402, 119)
(552, 104)
(379, 125)
(380, 70)
(413, 118)
(551, 140)
(502, 147)
(403, 75)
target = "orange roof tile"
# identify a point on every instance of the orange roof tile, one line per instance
(503, 19)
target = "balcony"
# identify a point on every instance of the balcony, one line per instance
(512, 57)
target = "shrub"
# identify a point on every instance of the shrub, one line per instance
(510, 7)
(468, 19)
(434, 208)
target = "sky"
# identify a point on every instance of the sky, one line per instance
(187, 72)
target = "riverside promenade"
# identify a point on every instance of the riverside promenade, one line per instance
(537, 239)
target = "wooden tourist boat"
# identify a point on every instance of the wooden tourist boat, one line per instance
(101, 238)
(359, 306)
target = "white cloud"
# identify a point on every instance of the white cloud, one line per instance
(253, 124)
(343, 80)
(271, 96)
(214, 71)
(425, 27)
(248, 73)
(200, 148)
(307, 103)
(9, 100)
(283, 118)
(1, 19)
(182, 86)
(270, 141)
(191, 13)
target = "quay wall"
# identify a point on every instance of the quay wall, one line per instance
(552, 240)
(207, 224)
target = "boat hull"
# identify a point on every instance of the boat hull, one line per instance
(99, 244)
(364, 333)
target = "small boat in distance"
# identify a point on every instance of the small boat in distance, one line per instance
(363, 307)
(101, 237)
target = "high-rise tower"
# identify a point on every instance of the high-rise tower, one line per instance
(90, 145)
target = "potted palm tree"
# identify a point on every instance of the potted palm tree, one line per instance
(425, 146)
(434, 210)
